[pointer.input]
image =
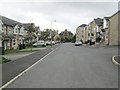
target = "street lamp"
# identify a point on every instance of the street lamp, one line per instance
(51, 31)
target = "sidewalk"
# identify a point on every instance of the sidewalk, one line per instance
(35, 48)
(20, 55)
(16, 56)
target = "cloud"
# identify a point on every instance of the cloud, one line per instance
(68, 14)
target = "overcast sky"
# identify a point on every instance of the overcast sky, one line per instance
(68, 15)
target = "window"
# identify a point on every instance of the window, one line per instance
(92, 34)
(14, 42)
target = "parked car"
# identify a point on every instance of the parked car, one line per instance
(53, 42)
(39, 43)
(78, 43)
(48, 42)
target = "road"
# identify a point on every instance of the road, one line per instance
(72, 66)
(15, 67)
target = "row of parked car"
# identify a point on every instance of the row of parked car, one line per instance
(44, 43)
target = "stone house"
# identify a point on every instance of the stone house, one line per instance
(97, 30)
(106, 23)
(114, 33)
(13, 33)
(80, 33)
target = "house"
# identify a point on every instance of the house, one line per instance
(91, 33)
(66, 36)
(114, 33)
(80, 33)
(106, 23)
(97, 30)
(7, 27)
(13, 33)
(94, 31)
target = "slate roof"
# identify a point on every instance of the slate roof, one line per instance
(10, 22)
(83, 25)
(107, 17)
(98, 21)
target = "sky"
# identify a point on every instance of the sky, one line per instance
(68, 14)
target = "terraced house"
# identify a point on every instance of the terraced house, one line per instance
(14, 33)
(106, 25)
(114, 33)
(91, 32)
(101, 31)
(80, 33)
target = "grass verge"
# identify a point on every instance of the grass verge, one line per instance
(4, 60)
(18, 51)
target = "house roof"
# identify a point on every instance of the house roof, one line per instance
(107, 17)
(83, 25)
(98, 21)
(9, 22)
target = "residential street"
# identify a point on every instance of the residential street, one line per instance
(15, 67)
(71, 66)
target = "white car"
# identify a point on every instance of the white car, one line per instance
(48, 42)
(39, 43)
(78, 43)
(53, 42)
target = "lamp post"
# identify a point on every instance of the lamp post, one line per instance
(51, 31)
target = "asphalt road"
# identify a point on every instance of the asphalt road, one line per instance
(72, 67)
(15, 67)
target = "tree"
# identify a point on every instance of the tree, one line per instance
(45, 35)
(74, 38)
(30, 35)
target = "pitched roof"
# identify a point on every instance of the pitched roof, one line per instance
(9, 22)
(107, 17)
(98, 21)
(83, 25)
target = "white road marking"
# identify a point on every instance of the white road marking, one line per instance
(12, 80)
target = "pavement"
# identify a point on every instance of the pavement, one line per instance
(15, 67)
(20, 55)
(16, 56)
(35, 48)
(71, 66)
